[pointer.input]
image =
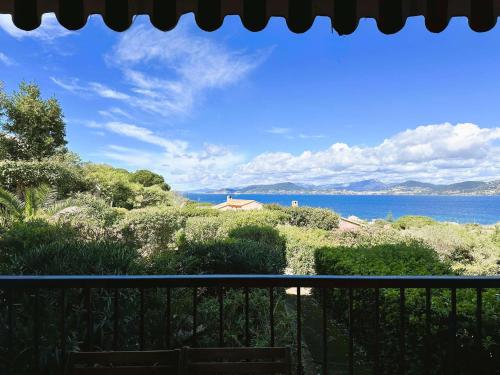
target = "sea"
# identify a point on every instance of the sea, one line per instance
(461, 209)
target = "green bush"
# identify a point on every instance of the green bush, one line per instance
(152, 228)
(407, 222)
(67, 177)
(233, 256)
(147, 178)
(25, 236)
(202, 228)
(77, 258)
(411, 259)
(301, 245)
(311, 217)
(471, 249)
(402, 259)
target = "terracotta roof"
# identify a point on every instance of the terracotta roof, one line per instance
(234, 203)
(390, 15)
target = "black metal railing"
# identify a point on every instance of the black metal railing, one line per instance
(12, 286)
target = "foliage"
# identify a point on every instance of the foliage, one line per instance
(301, 245)
(22, 237)
(411, 259)
(310, 217)
(76, 258)
(470, 248)
(236, 256)
(33, 128)
(151, 229)
(148, 178)
(65, 176)
(403, 259)
(113, 185)
(20, 209)
(407, 222)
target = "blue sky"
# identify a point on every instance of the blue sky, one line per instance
(232, 107)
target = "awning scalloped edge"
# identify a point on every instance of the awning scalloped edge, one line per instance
(390, 15)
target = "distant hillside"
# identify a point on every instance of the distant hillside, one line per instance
(410, 187)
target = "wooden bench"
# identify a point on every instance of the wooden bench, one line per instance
(236, 361)
(164, 362)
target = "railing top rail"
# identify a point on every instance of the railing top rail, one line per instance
(257, 281)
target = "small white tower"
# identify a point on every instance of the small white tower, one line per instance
(295, 203)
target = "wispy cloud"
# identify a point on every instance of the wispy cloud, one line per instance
(49, 30)
(6, 60)
(75, 86)
(115, 113)
(443, 152)
(311, 136)
(185, 67)
(278, 130)
(437, 153)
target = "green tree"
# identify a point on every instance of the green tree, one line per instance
(31, 127)
(12, 207)
(148, 178)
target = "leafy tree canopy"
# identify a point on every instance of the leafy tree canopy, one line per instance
(31, 127)
(148, 178)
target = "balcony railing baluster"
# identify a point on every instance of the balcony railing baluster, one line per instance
(271, 315)
(376, 364)
(247, 321)
(453, 330)
(195, 323)
(88, 309)
(62, 328)
(36, 333)
(428, 343)
(116, 317)
(10, 319)
(300, 369)
(141, 320)
(221, 316)
(168, 323)
(402, 332)
(35, 297)
(325, 331)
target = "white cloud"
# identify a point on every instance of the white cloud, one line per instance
(185, 66)
(115, 113)
(6, 60)
(175, 159)
(73, 85)
(434, 153)
(277, 130)
(49, 30)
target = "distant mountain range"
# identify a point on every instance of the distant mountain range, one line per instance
(368, 187)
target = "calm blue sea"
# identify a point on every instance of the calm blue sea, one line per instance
(461, 209)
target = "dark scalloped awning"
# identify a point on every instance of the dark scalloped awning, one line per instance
(390, 15)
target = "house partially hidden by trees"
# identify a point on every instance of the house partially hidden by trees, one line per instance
(238, 204)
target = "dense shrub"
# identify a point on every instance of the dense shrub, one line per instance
(411, 259)
(147, 178)
(76, 258)
(471, 249)
(402, 259)
(152, 228)
(234, 256)
(202, 228)
(406, 222)
(22, 237)
(64, 175)
(301, 245)
(310, 217)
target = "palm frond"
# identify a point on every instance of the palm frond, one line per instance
(11, 204)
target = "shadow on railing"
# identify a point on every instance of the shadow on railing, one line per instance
(44, 317)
